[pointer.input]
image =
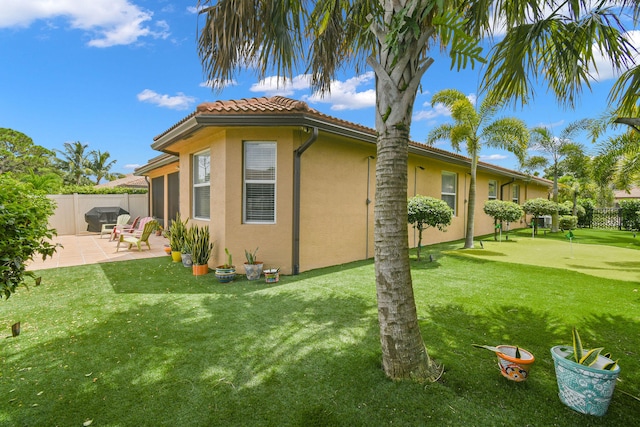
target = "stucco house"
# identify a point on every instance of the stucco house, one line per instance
(275, 174)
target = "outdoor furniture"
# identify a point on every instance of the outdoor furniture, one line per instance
(137, 231)
(97, 216)
(108, 228)
(137, 240)
(126, 228)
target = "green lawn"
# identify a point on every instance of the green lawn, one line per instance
(145, 343)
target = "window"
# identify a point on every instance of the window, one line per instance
(515, 193)
(493, 189)
(259, 182)
(449, 188)
(201, 185)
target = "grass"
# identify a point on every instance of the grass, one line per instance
(146, 343)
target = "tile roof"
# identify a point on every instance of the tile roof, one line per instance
(633, 193)
(261, 106)
(283, 106)
(129, 181)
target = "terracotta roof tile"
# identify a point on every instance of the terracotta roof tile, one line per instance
(284, 105)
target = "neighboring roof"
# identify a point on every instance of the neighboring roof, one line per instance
(633, 193)
(282, 111)
(129, 181)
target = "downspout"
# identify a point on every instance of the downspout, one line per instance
(368, 202)
(297, 154)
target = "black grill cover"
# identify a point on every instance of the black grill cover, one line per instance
(98, 216)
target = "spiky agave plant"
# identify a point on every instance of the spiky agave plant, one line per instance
(588, 357)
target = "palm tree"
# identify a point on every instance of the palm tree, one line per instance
(75, 162)
(395, 38)
(476, 128)
(100, 165)
(557, 147)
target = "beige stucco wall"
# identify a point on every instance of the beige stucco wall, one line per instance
(337, 178)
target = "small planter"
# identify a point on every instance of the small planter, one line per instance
(512, 368)
(272, 275)
(200, 270)
(186, 260)
(253, 271)
(225, 274)
(585, 389)
(176, 256)
(167, 249)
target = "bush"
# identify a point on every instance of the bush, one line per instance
(568, 222)
(539, 207)
(427, 212)
(630, 211)
(585, 219)
(24, 231)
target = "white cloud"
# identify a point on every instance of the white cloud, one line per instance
(274, 85)
(438, 111)
(603, 70)
(177, 102)
(109, 22)
(214, 84)
(132, 166)
(344, 95)
(492, 157)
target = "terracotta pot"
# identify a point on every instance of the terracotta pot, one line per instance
(199, 270)
(167, 249)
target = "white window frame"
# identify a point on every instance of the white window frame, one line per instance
(515, 193)
(197, 183)
(493, 196)
(455, 188)
(247, 145)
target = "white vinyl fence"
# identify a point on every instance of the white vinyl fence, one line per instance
(69, 214)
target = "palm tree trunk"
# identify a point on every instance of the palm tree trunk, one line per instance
(471, 203)
(403, 351)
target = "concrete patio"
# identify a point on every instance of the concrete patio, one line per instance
(90, 249)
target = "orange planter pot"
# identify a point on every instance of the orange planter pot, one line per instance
(511, 367)
(199, 270)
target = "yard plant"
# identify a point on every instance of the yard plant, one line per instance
(146, 343)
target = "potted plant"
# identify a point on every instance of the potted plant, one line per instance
(272, 275)
(514, 362)
(253, 267)
(177, 231)
(187, 244)
(226, 273)
(201, 248)
(586, 378)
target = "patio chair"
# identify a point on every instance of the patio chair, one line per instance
(137, 240)
(125, 228)
(108, 228)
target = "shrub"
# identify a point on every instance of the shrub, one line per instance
(502, 210)
(539, 207)
(568, 222)
(24, 231)
(427, 212)
(630, 211)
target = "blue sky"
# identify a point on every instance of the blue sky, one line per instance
(115, 73)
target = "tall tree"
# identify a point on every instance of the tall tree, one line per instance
(556, 149)
(75, 163)
(395, 38)
(18, 154)
(100, 165)
(475, 128)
